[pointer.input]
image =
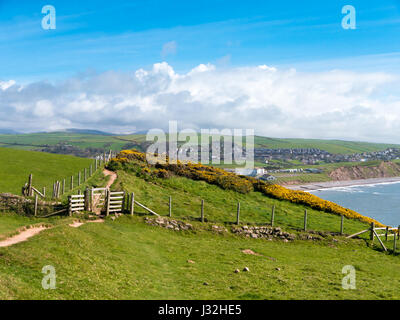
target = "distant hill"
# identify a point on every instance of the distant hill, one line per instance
(87, 131)
(8, 131)
(88, 138)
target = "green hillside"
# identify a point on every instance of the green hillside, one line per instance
(16, 165)
(125, 258)
(37, 141)
(332, 146)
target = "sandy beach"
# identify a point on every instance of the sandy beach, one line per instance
(346, 183)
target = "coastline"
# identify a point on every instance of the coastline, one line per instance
(342, 183)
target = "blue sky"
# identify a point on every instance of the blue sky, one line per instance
(283, 68)
(125, 35)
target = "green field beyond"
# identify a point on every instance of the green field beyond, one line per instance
(16, 165)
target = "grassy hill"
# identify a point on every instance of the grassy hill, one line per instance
(36, 141)
(126, 258)
(16, 165)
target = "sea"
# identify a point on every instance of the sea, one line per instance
(378, 201)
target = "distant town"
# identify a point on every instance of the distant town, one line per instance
(312, 156)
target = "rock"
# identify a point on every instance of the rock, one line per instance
(246, 269)
(263, 232)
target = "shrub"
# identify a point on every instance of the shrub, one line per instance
(134, 160)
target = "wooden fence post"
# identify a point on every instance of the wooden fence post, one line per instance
(170, 207)
(36, 205)
(79, 178)
(108, 202)
(394, 243)
(63, 187)
(238, 214)
(87, 199)
(272, 215)
(91, 170)
(58, 189)
(202, 210)
(398, 232)
(386, 234)
(341, 224)
(85, 175)
(30, 191)
(96, 161)
(305, 220)
(132, 209)
(44, 192)
(371, 236)
(69, 205)
(72, 183)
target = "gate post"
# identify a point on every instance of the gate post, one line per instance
(87, 199)
(108, 202)
(132, 208)
(371, 236)
(69, 205)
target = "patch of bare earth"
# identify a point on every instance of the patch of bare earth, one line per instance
(248, 251)
(77, 224)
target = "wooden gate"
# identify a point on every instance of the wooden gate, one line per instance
(98, 197)
(115, 201)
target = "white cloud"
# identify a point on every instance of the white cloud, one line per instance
(169, 48)
(279, 103)
(6, 84)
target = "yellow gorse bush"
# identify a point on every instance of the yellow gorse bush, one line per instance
(231, 181)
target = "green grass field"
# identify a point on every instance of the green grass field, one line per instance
(127, 259)
(16, 165)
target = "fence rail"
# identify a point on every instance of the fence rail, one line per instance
(61, 187)
(389, 232)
